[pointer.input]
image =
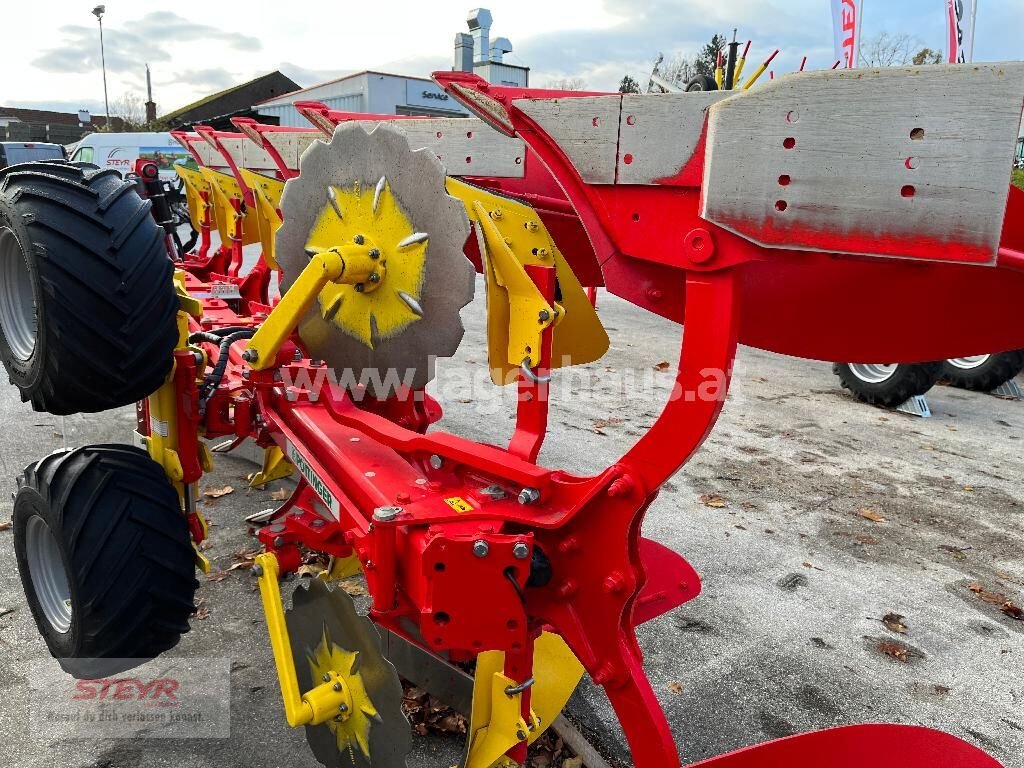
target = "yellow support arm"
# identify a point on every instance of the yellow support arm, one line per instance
(350, 264)
(321, 703)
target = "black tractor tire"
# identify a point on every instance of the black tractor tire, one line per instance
(907, 380)
(99, 531)
(87, 301)
(991, 374)
(701, 83)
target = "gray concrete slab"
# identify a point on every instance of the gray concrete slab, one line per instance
(785, 636)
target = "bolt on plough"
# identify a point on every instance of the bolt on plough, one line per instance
(764, 217)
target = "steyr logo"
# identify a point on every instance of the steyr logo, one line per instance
(127, 689)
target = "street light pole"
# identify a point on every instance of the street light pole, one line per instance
(98, 12)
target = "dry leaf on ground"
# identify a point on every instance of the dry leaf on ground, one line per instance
(894, 623)
(873, 515)
(893, 650)
(675, 687)
(713, 500)
(6, 525)
(216, 493)
(664, 365)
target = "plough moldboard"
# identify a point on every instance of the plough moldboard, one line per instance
(764, 217)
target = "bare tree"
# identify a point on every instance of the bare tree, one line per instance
(679, 69)
(886, 50)
(132, 111)
(567, 84)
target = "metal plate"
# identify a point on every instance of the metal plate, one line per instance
(416, 179)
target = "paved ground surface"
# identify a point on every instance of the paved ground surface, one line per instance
(785, 637)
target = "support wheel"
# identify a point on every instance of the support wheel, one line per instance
(87, 303)
(983, 373)
(888, 385)
(105, 558)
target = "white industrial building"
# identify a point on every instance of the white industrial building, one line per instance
(389, 94)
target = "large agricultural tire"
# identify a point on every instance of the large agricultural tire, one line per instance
(87, 301)
(984, 373)
(105, 558)
(887, 385)
(701, 83)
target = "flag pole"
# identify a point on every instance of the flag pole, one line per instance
(860, 26)
(974, 23)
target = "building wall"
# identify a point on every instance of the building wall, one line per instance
(372, 92)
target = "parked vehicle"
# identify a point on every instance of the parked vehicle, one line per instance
(14, 152)
(892, 384)
(120, 151)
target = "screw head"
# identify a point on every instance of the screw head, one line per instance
(521, 735)
(326, 678)
(481, 548)
(529, 496)
(374, 253)
(250, 355)
(544, 316)
(436, 462)
(521, 550)
(386, 514)
(337, 687)
(343, 707)
(374, 277)
(360, 287)
(359, 239)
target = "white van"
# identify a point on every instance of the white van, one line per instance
(121, 150)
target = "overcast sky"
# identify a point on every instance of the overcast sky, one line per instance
(49, 57)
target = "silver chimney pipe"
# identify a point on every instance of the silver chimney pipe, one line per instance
(463, 52)
(479, 22)
(499, 48)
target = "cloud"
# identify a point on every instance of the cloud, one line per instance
(212, 79)
(308, 77)
(601, 57)
(129, 47)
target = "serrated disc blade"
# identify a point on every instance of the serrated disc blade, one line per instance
(356, 159)
(318, 611)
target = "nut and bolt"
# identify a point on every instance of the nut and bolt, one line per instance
(359, 239)
(436, 462)
(360, 287)
(257, 570)
(250, 355)
(529, 496)
(297, 357)
(544, 316)
(343, 707)
(326, 678)
(521, 735)
(374, 253)
(374, 277)
(386, 514)
(521, 550)
(481, 548)
(337, 687)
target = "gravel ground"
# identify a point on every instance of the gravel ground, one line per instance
(787, 635)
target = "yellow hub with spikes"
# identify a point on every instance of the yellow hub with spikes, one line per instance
(387, 300)
(351, 726)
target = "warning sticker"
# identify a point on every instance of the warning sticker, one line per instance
(459, 504)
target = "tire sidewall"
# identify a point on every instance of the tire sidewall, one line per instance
(25, 374)
(27, 504)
